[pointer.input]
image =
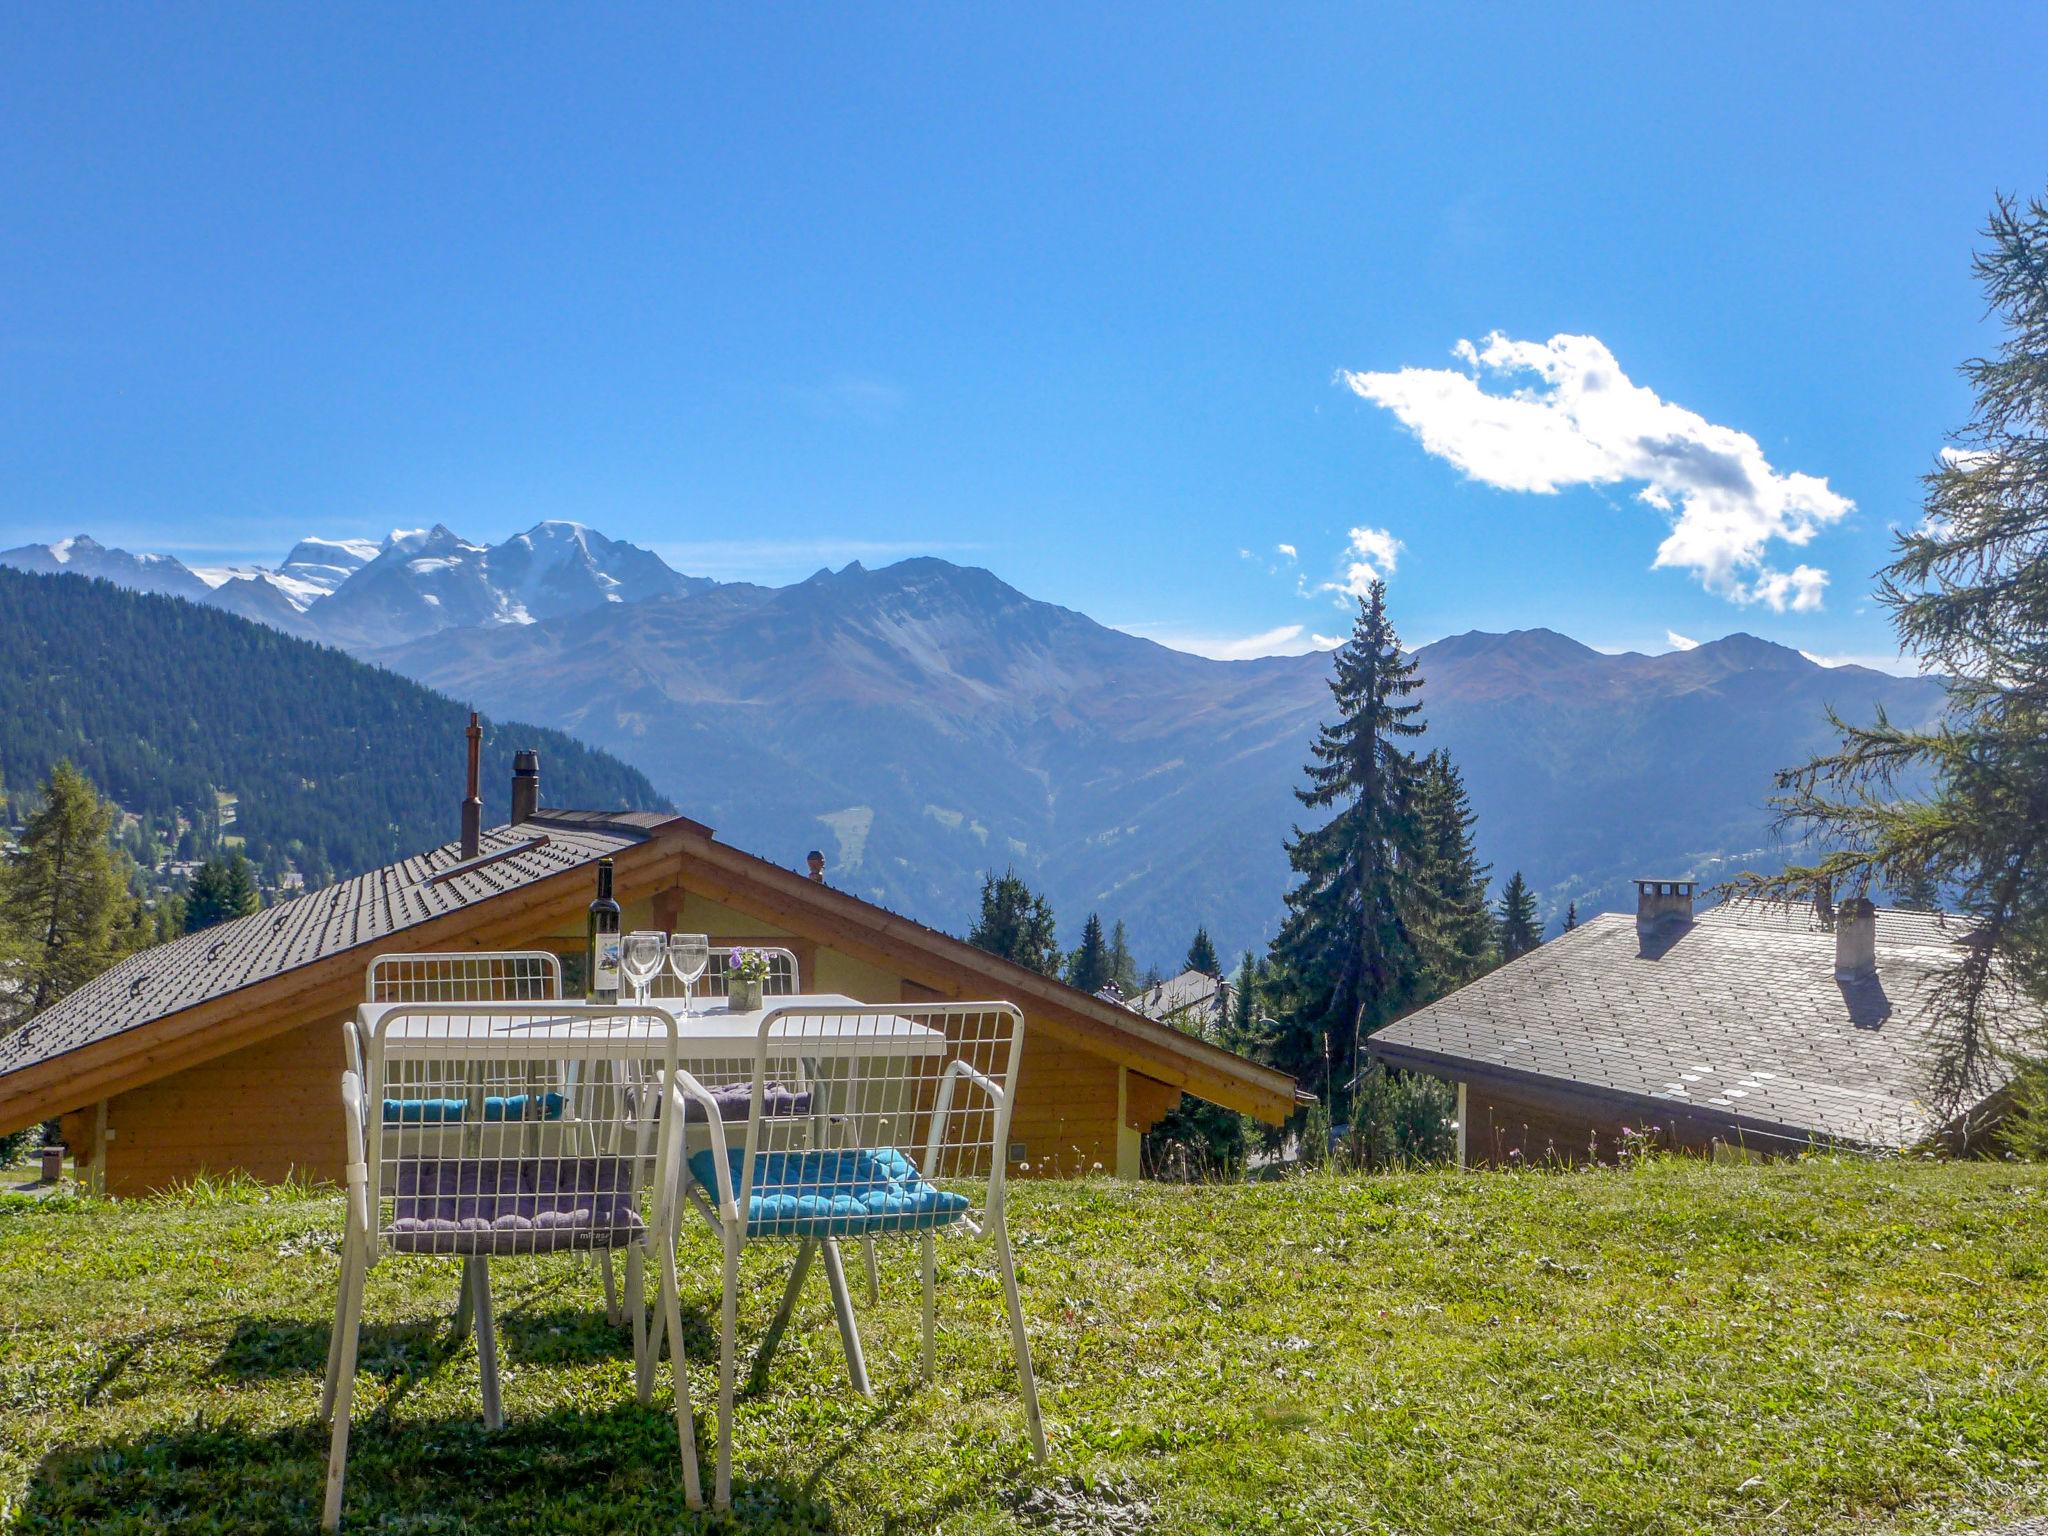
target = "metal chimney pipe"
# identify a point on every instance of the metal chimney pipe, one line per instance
(473, 805)
(525, 786)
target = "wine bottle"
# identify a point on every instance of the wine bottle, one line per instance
(601, 964)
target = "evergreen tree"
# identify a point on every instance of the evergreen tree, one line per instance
(1916, 891)
(1123, 967)
(1202, 955)
(1449, 919)
(1520, 931)
(1016, 924)
(1244, 1004)
(1089, 968)
(64, 905)
(1968, 593)
(223, 887)
(1571, 916)
(1345, 943)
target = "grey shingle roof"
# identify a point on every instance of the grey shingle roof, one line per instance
(1737, 1015)
(172, 976)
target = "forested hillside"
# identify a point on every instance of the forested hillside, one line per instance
(334, 764)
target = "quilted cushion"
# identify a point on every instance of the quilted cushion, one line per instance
(835, 1193)
(519, 1106)
(528, 1205)
(736, 1099)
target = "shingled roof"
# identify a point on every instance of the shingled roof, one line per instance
(167, 977)
(1737, 1015)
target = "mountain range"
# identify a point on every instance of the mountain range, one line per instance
(927, 722)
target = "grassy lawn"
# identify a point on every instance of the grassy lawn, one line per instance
(1804, 1348)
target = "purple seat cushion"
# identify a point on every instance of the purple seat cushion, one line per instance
(736, 1099)
(529, 1205)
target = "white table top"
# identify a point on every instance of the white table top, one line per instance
(814, 1024)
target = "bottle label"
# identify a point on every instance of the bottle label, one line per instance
(607, 979)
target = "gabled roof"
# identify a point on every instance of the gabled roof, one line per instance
(1177, 994)
(1736, 1016)
(168, 977)
(229, 986)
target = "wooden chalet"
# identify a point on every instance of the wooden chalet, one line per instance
(222, 1050)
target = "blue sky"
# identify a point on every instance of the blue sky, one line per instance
(1115, 304)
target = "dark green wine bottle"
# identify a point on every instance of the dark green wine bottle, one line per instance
(601, 961)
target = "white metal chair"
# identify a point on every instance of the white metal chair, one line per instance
(906, 1125)
(451, 976)
(499, 1149)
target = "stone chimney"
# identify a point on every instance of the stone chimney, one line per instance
(525, 786)
(1855, 939)
(1662, 903)
(473, 804)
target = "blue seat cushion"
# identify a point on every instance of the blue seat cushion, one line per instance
(519, 1106)
(835, 1193)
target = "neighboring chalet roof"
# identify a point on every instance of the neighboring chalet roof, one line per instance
(1190, 991)
(1738, 1015)
(228, 986)
(171, 976)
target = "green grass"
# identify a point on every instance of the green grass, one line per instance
(1811, 1348)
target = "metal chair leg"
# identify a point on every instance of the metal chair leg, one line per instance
(344, 1396)
(1025, 1379)
(636, 1307)
(686, 1419)
(867, 1248)
(728, 1327)
(611, 1289)
(929, 1262)
(487, 1348)
(849, 1331)
(797, 1271)
(465, 1301)
(341, 1297)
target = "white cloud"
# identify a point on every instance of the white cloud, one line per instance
(1369, 556)
(1580, 421)
(1285, 549)
(1327, 642)
(1679, 642)
(1286, 640)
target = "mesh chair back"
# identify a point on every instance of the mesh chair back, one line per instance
(867, 1119)
(467, 976)
(506, 1128)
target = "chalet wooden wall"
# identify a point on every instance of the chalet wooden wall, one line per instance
(1503, 1128)
(273, 1108)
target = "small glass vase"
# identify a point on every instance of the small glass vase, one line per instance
(743, 993)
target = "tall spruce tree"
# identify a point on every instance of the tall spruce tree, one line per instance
(1088, 969)
(1123, 966)
(1968, 594)
(1520, 931)
(1450, 920)
(223, 887)
(1245, 1003)
(64, 902)
(1571, 916)
(1017, 924)
(1345, 943)
(1202, 954)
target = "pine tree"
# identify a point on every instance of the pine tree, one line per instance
(1123, 966)
(1968, 593)
(1089, 969)
(1520, 931)
(1202, 955)
(223, 887)
(1571, 916)
(1244, 1004)
(1016, 924)
(65, 905)
(1450, 921)
(1344, 943)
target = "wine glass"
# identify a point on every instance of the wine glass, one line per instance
(640, 958)
(688, 954)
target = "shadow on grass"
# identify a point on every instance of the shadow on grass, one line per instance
(568, 1472)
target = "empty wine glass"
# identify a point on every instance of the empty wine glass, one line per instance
(640, 958)
(688, 954)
